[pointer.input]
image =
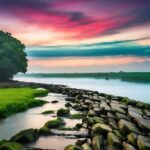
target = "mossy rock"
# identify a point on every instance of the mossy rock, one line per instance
(132, 137)
(112, 139)
(143, 143)
(63, 112)
(10, 146)
(97, 142)
(44, 130)
(48, 112)
(25, 136)
(72, 147)
(101, 129)
(54, 123)
(68, 104)
(76, 116)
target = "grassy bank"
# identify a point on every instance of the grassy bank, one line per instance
(125, 76)
(13, 100)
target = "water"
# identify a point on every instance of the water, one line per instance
(33, 118)
(137, 91)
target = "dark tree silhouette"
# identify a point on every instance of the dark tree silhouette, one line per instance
(12, 56)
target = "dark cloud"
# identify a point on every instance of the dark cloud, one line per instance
(116, 48)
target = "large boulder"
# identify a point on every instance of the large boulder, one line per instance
(25, 136)
(101, 129)
(112, 139)
(126, 127)
(143, 143)
(132, 137)
(97, 142)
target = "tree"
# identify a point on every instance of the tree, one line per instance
(12, 56)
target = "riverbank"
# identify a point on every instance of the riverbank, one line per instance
(111, 122)
(13, 100)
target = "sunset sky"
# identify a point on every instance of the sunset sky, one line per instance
(81, 35)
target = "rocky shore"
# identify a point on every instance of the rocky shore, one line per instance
(108, 122)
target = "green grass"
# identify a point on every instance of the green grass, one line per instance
(13, 100)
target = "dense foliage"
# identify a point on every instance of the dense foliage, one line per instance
(12, 56)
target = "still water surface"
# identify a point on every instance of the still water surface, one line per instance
(137, 91)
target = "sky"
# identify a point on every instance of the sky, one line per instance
(80, 35)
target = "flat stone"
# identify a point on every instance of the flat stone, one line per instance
(112, 123)
(127, 127)
(128, 146)
(116, 108)
(97, 142)
(112, 139)
(143, 143)
(132, 137)
(134, 109)
(122, 116)
(100, 128)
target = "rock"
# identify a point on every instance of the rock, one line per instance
(70, 99)
(132, 137)
(126, 127)
(63, 112)
(10, 146)
(86, 147)
(97, 142)
(118, 134)
(111, 115)
(44, 130)
(72, 147)
(116, 108)
(54, 123)
(143, 143)
(25, 136)
(112, 123)
(128, 146)
(101, 129)
(91, 113)
(68, 104)
(143, 123)
(112, 139)
(122, 116)
(48, 112)
(54, 102)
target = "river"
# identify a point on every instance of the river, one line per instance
(136, 91)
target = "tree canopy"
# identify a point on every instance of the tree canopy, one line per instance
(12, 56)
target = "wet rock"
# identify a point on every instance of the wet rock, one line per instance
(10, 146)
(63, 112)
(44, 131)
(54, 123)
(128, 146)
(72, 147)
(126, 127)
(25, 136)
(112, 139)
(132, 137)
(86, 147)
(97, 142)
(48, 112)
(68, 104)
(100, 128)
(143, 143)
(54, 102)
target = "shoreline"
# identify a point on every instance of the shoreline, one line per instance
(112, 122)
